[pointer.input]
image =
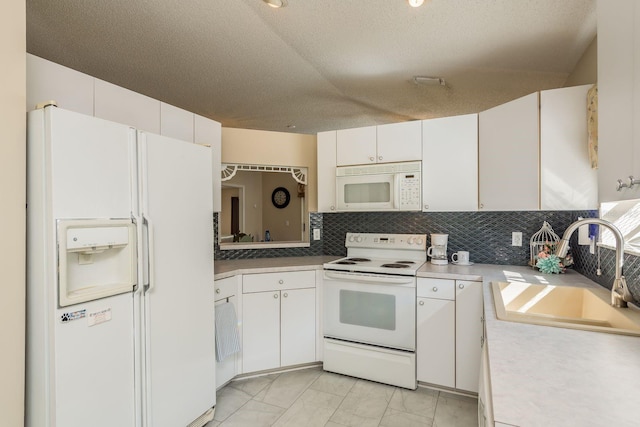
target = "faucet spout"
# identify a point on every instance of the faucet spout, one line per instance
(620, 294)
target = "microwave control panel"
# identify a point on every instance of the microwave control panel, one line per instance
(409, 192)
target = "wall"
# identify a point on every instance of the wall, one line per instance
(586, 70)
(273, 148)
(283, 224)
(12, 226)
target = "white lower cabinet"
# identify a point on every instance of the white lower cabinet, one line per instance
(278, 325)
(485, 403)
(435, 343)
(449, 332)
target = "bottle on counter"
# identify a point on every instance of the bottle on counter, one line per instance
(267, 236)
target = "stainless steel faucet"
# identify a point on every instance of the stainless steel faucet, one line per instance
(620, 294)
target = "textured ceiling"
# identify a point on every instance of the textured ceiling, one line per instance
(317, 64)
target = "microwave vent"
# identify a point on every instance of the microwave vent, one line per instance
(381, 168)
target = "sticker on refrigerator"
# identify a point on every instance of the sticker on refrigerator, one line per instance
(98, 317)
(73, 315)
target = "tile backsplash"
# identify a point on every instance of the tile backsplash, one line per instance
(486, 235)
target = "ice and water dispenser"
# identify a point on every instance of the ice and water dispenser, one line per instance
(97, 258)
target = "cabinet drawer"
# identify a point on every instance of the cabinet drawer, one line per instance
(226, 288)
(436, 288)
(278, 281)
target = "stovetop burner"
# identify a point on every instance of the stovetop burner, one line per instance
(358, 259)
(345, 262)
(394, 265)
(405, 262)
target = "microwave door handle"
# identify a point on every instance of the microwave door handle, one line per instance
(396, 189)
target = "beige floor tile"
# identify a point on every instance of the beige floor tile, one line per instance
(364, 405)
(420, 402)
(394, 418)
(456, 411)
(253, 414)
(229, 400)
(255, 385)
(312, 409)
(333, 383)
(285, 389)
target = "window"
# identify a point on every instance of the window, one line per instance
(625, 215)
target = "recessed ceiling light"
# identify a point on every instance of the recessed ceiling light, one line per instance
(276, 4)
(415, 3)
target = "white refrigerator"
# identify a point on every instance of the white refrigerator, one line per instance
(120, 321)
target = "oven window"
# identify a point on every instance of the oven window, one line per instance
(373, 192)
(368, 309)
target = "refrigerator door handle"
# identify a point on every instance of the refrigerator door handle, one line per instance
(149, 264)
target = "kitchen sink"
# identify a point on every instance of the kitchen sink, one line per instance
(564, 307)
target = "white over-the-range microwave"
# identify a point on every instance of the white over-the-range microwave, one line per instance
(379, 187)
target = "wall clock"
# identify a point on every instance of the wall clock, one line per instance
(280, 197)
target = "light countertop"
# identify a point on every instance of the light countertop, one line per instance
(540, 375)
(547, 376)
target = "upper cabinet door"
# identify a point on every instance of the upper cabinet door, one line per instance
(176, 122)
(356, 146)
(618, 98)
(399, 142)
(508, 156)
(450, 163)
(567, 181)
(209, 132)
(327, 171)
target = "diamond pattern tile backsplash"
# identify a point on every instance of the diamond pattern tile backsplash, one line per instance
(486, 235)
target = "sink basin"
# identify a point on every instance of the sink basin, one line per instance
(564, 307)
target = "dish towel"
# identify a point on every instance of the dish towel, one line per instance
(227, 336)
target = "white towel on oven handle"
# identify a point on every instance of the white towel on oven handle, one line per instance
(227, 336)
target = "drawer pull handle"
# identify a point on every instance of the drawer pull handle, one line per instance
(218, 291)
(281, 281)
(435, 289)
(285, 295)
(421, 303)
(461, 286)
(275, 296)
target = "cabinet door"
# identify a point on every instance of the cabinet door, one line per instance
(508, 156)
(327, 171)
(399, 142)
(356, 146)
(618, 81)
(567, 181)
(227, 369)
(209, 132)
(468, 334)
(260, 331)
(298, 326)
(435, 343)
(450, 164)
(176, 122)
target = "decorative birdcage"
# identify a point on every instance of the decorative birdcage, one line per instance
(544, 240)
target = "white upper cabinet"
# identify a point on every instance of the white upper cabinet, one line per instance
(209, 132)
(326, 144)
(356, 146)
(176, 122)
(450, 163)
(121, 105)
(48, 81)
(567, 180)
(508, 156)
(618, 98)
(397, 142)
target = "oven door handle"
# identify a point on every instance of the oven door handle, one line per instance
(383, 280)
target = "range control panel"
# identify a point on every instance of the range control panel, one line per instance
(386, 241)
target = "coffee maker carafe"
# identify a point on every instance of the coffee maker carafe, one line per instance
(438, 249)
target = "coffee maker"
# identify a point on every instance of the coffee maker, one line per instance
(438, 249)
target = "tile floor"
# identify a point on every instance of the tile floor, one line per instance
(312, 397)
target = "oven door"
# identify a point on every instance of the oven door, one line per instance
(366, 192)
(370, 309)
